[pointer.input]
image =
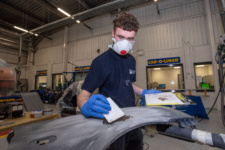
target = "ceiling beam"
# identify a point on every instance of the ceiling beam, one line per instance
(9, 32)
(50, 8)
(41, 37)
(87, 14)
(10, 25)
(84, 4)
(20, 13)
(8, 50)
(11, 39)
(37, 41)
(6, 23)
(12, 45)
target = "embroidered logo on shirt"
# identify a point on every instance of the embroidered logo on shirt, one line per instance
(132, 71)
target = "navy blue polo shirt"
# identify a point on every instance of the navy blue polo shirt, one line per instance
(113, 74)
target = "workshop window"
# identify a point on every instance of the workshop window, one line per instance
(57, 82)
(40, 82)
(165, 77)
(204, 76)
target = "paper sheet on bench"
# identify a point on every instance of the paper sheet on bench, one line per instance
(165, 98)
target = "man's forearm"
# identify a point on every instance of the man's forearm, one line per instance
(82, 98)
(137, 90)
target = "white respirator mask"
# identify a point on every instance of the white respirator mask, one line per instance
(121, 47)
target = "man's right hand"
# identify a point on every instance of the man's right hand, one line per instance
(96, 106)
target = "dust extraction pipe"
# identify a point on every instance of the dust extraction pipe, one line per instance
(212, 139)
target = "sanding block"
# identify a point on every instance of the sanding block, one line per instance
(115, 112)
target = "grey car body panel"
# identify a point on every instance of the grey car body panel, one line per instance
(80, 133)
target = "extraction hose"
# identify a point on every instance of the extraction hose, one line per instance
(220, 63)
(212, 139)
(18, 70)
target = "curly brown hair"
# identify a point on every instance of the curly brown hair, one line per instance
(126, 21)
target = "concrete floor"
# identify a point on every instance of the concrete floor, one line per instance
(162, 142)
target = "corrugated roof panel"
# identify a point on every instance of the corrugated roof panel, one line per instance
(95, 3)
(36, 13)
(70, 6)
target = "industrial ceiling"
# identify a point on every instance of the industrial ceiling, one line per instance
(42, 17)
(30, 14)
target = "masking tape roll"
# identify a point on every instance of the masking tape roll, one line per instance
(202, 136)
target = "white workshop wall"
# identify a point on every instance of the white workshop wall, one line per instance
(12, 59)
(57, 39)
(86, 49)
(48, 55)
(180, 30)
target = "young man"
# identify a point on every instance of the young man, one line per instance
(114, 73)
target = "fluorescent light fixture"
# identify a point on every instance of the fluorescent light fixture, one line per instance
(157, 68)
(33, 33)
(176, 67)
(200, 65)
(171, 65)
(65, 13)
(173, 91)
(24, 30)
(78, 21)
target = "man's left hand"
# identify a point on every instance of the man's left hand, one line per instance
(149, 92)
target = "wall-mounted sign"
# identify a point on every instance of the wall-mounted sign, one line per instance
(160, 61)
(10, 99)
(41, 72)
(82, 68)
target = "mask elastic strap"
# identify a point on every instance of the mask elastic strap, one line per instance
(114, 40)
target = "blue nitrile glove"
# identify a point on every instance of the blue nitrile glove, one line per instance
(142, 102)
(96, 106)
(149, 92)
